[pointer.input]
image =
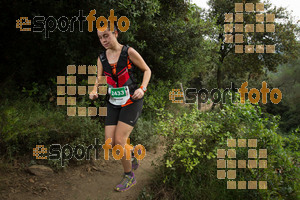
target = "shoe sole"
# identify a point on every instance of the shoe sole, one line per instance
(126, 188)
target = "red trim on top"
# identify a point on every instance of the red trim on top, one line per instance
(122, 70)
(107, 73)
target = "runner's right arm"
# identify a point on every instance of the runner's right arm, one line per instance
(94, 93)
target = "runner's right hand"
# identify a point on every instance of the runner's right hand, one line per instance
(93, 95)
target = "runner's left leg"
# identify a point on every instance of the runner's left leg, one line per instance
(122, 132)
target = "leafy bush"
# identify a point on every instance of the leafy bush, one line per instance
(193, 138)
(157, 96)
(25, 124)
(143, 133)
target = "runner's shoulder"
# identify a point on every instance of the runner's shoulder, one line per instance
(132, 52)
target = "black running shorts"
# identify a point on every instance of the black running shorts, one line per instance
(127, 114)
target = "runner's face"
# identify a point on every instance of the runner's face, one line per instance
(107, 38)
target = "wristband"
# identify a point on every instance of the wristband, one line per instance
(143, 88)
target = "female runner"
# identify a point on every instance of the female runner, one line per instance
(124, 98)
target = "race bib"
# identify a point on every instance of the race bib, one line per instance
(118, 96)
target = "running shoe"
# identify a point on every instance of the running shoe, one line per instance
(126, 183)
(135, 163)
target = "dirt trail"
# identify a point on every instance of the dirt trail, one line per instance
(89, 181)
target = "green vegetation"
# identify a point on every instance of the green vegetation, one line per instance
(26, 123)
(193, 137)
(181, 43)
(287, 79)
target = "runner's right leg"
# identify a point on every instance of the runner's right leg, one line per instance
(110, 133)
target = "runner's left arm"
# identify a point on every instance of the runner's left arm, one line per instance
(138, 61)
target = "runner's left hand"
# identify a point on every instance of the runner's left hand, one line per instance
(138, 94)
